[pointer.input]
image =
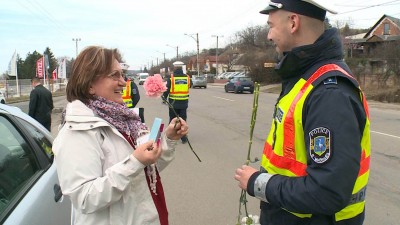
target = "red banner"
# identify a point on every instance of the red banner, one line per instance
(55, 74)
(40, 68)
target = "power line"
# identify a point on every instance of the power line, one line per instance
(367, 7)
(51, 17)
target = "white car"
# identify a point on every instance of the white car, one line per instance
(142, 77)
(29, 188)
(2, 98)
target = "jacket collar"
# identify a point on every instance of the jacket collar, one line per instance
(82, 117)
(296, 62)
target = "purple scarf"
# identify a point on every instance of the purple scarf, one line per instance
(118, 115)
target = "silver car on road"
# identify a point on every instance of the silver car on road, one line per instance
(199, 81)
(29, 188)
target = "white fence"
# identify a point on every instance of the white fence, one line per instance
(9, 87)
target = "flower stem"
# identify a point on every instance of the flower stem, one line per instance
(178, 121)
(243, 194)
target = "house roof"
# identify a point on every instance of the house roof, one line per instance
(395, 20)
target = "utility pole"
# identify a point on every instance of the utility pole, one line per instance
(198, 50)
(76, 44)
(177, 53)
(216, 56)
(163, 54)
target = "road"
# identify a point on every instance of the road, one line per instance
(205, 192)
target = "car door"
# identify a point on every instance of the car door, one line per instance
(29, 187)
(229, 85)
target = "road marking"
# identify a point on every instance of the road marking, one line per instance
(224, 99)
(389, 135)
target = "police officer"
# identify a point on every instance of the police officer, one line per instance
(178, 93)
(315, 162)
(130, 94)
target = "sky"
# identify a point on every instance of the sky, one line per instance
(145, 31)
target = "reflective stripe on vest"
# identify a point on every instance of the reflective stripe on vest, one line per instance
(127, 95)
(285, 152)
(179, 88)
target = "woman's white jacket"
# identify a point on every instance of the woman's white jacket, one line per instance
(105, 183)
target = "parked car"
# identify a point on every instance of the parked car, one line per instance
(142, 77)
(29, 188)
(199, 81)
(239, 84)
(2, 98)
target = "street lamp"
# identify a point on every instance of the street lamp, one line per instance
(163, 54)
(76, 44)
(197, 41)
(216, 55)
(176, 50)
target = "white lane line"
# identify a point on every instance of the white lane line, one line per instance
(224, 99)
(389, 135)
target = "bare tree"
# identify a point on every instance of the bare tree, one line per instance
(389, 53)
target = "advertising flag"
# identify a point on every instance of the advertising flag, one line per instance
(55, 74)
(12, 66)
(62, 68)
(40, 67)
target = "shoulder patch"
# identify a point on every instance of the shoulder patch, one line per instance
(320, 144)
(330, 80)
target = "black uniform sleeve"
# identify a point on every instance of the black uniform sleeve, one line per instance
(166, 93)
(327, 187)
(135, 94)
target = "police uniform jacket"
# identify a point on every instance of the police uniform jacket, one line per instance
(177, 104)
(334, 103)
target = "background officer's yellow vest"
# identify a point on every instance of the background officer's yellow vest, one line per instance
(127, 95)
(285, 151)
(179, 88)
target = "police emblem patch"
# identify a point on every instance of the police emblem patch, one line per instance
(320, 144)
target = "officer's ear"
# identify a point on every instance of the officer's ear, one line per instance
(294, 20)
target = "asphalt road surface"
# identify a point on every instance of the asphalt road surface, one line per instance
(200, 193)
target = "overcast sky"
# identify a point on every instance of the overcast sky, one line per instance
(143, 29)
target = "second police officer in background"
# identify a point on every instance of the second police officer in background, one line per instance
(130, 93)
(315, 162)
(178, 86)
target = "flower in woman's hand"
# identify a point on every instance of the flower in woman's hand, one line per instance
(154, 86)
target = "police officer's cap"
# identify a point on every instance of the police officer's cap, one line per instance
(178, 64)
(308, 8)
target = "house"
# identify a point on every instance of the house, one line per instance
(371, 44)
(206, 62)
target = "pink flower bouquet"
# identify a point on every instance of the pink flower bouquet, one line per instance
(154, 86)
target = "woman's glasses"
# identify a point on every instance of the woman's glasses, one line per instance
(116, 75)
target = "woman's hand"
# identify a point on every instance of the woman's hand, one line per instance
(147, 153)
(176, 129)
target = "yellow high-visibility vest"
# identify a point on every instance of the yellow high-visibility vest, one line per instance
(179, 88)
(287, 154)
(127, 95)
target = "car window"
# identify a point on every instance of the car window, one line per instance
(18, 165)
(244, 78)
(39, 138)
